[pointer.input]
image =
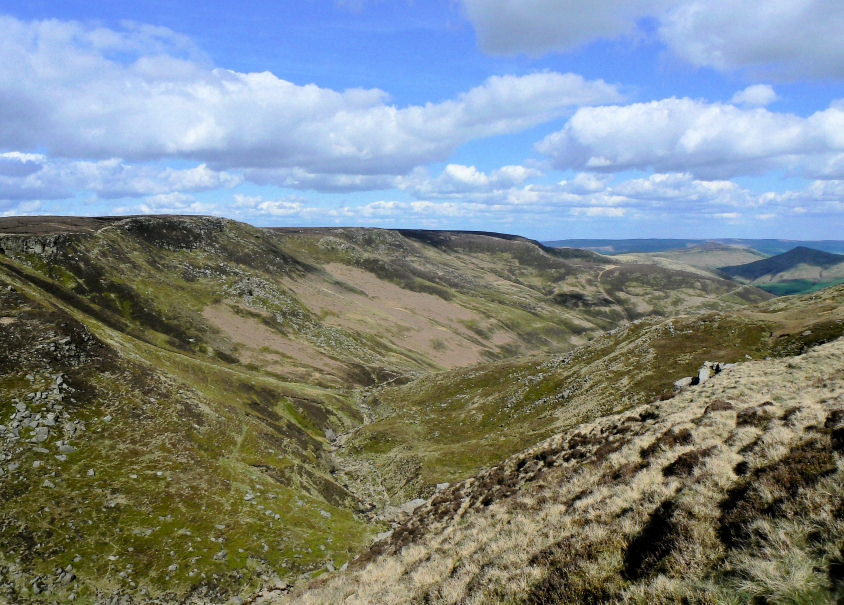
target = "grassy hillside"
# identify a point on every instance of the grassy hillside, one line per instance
(445, 426)
(708, 256)
(341, 306)
(798, 270)
(191, 408)
(782, 263)
(728, 492)
(126, 467)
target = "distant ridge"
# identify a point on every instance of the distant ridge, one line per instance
(801, 255)
(621, 246)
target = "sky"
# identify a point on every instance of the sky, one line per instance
(546, 118)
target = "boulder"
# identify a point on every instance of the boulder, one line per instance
(682, 383)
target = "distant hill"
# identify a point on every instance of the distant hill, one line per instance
(621, 246)
(800, 269)
(784, 262)
(706, 256)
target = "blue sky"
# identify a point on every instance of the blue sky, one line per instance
(547, 118)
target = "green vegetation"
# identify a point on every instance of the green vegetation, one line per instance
(797, 286)
(193, 408)
(459, 421)
(727, 492)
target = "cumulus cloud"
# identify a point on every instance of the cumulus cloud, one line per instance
(787, 38)
(97, 93)
(584, 197)
(256, 204)
(300, 209)
(458, 179)
(30, 176)
(170, 203)
(14, 164)
(29, 207)
(711, 140)
(602, 211)
(300, 178)
(537, 26)
(757, 95)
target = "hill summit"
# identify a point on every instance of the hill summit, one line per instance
(801, 255)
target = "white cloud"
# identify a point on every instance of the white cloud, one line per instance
(603, 211)
(711, 140)
(170, 203)
(17, 165)
(537, 26)
(584, 183)
(458, 179)
(586, 197)
(29, 207)
(300, 178)
(64, 91)
(683, 188)
(299, 209)
(757, 95)
(30, 176)
(255, 204)
(786, 38)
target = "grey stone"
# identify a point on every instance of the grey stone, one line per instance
(383, 535)
(683, 382)
(411, 505)
(704, 374)
(442, 486)
(48, 483)
(66, 449)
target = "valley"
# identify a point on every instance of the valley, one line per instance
(193, 409)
